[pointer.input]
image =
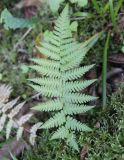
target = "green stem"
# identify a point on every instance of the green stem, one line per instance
(96, 6)
(118, 6)
(104, 72)
(112, 13)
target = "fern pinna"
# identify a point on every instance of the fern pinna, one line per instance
(9, 112)
(61, 82)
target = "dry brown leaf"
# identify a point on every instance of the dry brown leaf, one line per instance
(30, 11)
(28, 3)
(84, 152)
(5, 91)
(40, 55)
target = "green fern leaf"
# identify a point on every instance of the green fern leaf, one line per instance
(73, 124)
(77, 72)
(48, 53)
(72, 109)
(46, 81)
(47, 91)
(46, 71)
(72, 142)
(61, 133)
(78, 98)
(46, 62)
(59, 81)
(55, 121)
(53, 105)
(78, 85)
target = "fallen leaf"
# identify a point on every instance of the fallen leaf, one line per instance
(84, 152)
(30, 11)
(28, 3)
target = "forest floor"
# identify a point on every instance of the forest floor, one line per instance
(16, 50)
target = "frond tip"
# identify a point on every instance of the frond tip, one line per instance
(61, 81)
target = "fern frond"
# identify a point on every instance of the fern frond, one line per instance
(46, 62)
(9, 105)
(59, 81)
(47, 91)
(72, 142)
(53, 105)
(78, 85)
(33, 131)
(9, 128)
(71, 109)
(76, 73)
(46, 71)
(2, 121)
(5, 92)
(19, 133)
(8, 113)
(75, 59)
(46, 81)
(16, 110)
(68, 49)
(78, 98)
(55, 121)
(51, 47)
(54, 40)
(73, 124)
(61, 133)
(48, 53)
(24, 119)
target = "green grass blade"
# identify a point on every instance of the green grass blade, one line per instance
(104, 72)
(118, 6)
(112, 13)
(96, 6)
(106, 8)
(13, 157)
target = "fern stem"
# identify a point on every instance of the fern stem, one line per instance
(104, 72)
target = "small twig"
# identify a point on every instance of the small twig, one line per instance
(22, 38)
(104, 71)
